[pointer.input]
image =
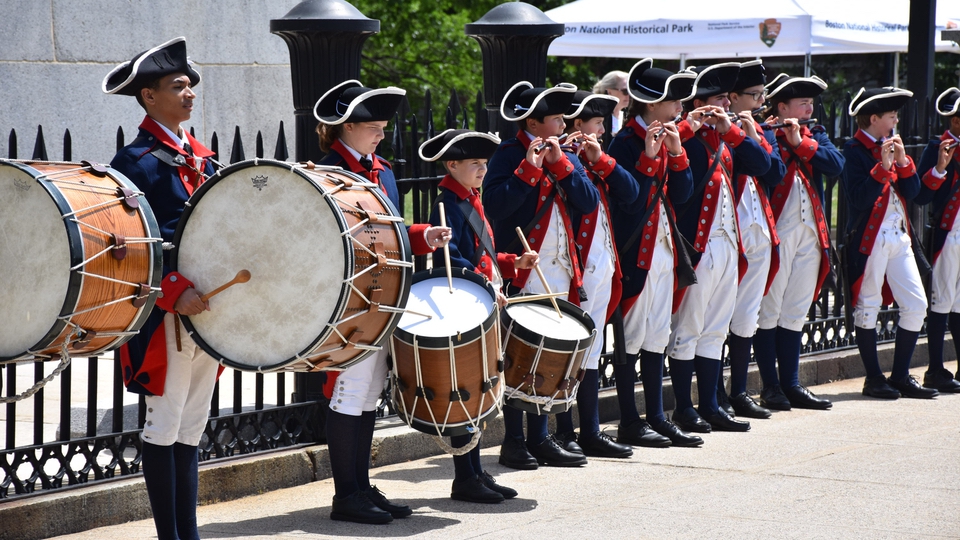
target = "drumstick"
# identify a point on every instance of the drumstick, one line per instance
(242, 276)
(543, 279)
(446, 249)
(532, 297)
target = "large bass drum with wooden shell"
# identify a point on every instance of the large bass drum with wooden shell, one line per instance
(329, 260)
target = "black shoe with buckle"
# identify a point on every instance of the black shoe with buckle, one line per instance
(358, 508)
(550, 453)
(942, 381)
(488, 481)
(773, 398)
(747, 407)
(474, 490)
(379, 499)
(568, 441)
(878, 387)
(514, 454)
(639, 433)
(910, 387)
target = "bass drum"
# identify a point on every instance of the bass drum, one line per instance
(328, 255)
(80, 259)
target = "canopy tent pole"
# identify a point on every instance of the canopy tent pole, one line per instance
(806, 65)
(683, 61)
(896, 69)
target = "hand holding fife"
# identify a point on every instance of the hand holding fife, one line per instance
(947, 149)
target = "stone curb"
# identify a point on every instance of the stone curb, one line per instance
(83, 508)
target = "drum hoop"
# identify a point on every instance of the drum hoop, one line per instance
(551, 343)
(443, 342)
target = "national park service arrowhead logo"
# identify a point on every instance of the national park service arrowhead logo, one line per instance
(259, 182)
(769, 30)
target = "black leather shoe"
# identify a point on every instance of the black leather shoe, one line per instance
(773, 398)
(942, 381)
(475, 491)
(602, 445)
(358, 508)
(688, 420)
(724, 401)
(550, 453)
(568, 441)
(488, 481)
(378, 498)
(801, 398)
(879, 388)
(721, 421)
(514, 454)
(747, 407)
(639, 433)
(910, 387)
(677, 436)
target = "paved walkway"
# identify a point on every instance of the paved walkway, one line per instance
(866, 469)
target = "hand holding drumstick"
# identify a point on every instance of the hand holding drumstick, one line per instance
(543, 279)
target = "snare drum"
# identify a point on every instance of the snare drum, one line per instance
(446, 368)
(80, 259)
(545, 354)
(329, 259)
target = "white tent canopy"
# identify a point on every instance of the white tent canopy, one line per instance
(688, 29)
(692, 28)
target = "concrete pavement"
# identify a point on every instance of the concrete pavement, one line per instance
(866, 469)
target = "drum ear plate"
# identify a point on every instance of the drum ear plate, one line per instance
(425, 392)
(459, 395)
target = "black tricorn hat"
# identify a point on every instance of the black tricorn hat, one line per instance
(130, 77)
(588, 105)
(949, 101)
(878, 100)
(751, 74)
(457, 144)
(785, 87)
(523, 100)
(715, 79)
(648, 84)
(350, 102)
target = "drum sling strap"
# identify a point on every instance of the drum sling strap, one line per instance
(477, 226)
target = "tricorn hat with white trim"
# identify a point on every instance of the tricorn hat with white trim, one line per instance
(350, 102)
(751, 74)
(130, 77)
(648, 84)
(587, 105)
(457, 144)
(523, 100)
(949, 101)
(715, 79)
(878, 100)
(785, 87)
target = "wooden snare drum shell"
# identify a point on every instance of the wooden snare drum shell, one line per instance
(434, 355)
(74, 188)
(556, 358)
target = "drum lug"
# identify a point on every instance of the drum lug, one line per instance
(142, 295)
(424, 392)
(490, 383)
(501, 366)
(374, 295)
(564, 385)
(119, 246)
(84, 338)
(369, 213)
(97, 169)
(308, 165)
(128, 198)
(459, 395)
(401, 384)
(381, 253)
(580, 375)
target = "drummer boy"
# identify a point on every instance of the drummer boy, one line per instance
(464, 155)
(176, 376)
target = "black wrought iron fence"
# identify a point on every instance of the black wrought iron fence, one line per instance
(86, 441)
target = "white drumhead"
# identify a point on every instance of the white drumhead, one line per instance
(34, 261)
(278, 225)
(544, 321)
(465, 309)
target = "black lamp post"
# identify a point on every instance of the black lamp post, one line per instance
(514, 38)
(325, 38)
